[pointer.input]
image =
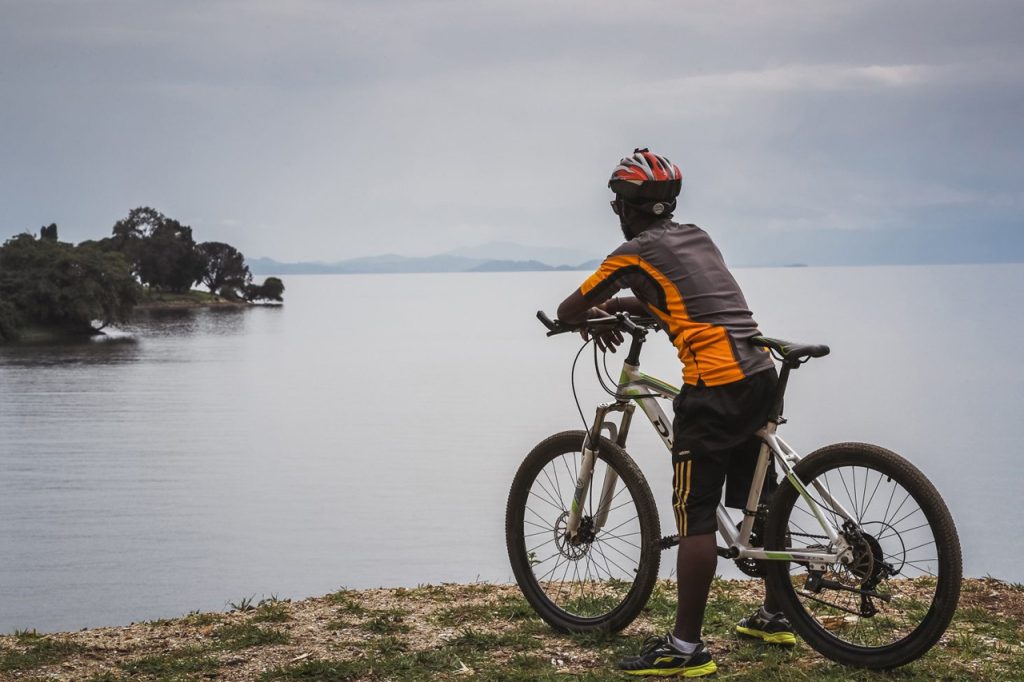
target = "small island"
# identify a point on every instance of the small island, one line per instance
(53, 289)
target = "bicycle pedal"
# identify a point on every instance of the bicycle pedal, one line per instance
(667, 541)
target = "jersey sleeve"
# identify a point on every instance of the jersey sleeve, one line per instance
(613, 274)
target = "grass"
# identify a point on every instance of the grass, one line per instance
(193, 296)
(271, 610)
(486, 632)
(35, 650)
(245, 635)
(387, 622)
(506, 609)
(349, 610)
(173, 665)
(321, 671)
(197, 619)
(244, 604)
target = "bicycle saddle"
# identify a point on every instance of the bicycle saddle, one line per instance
(789, 350)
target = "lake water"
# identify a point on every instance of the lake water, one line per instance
(365, 433)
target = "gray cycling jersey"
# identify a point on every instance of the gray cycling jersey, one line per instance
(679, 273)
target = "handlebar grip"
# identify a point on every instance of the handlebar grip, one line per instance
(546, 321)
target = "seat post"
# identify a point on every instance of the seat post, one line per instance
(780, 392)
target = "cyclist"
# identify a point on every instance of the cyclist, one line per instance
(677, 274)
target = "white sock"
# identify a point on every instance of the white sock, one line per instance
(684, 647)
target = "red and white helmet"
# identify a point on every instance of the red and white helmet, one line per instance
(646, 176)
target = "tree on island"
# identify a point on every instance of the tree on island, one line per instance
(169, 258)
(130, 232)
(224, 269)
(48, 232)
(161, 250)
(47, 282)
(271, 290)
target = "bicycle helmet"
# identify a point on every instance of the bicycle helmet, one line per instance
(645, 177)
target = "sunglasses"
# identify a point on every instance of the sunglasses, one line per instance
(616, 206)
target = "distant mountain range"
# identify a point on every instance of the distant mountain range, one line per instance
(926, 246)
(491, 257)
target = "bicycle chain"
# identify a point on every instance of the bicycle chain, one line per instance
(808, 535)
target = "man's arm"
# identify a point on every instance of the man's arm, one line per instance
(575, 308)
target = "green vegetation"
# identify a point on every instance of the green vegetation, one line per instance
(321, 671)
(51, 283)
(149, 258)
(198, 619)
(387, 622)
(245, 635)
(36, 650)
(243, 604)
(172, 665)
(479, 632)
(271, 290)
(271, 610)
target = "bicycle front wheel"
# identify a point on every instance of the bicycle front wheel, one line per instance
(600, 580)
(894, 598)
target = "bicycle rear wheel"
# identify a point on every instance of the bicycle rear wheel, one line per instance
(601, 581)
(892, 602)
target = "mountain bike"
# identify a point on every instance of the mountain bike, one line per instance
(855, 541)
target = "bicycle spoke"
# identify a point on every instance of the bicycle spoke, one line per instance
(842, 479)
(873, 492)
(547, 501)
(613, 562)
(539, 532)
(895, 533)
(905, 517)
(905, 498)
(534, 512)
(633, 518)
(537, 525)
(556, 495)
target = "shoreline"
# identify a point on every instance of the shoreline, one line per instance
(484, 631)
(183, 301)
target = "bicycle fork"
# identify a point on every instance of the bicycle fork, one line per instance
(586, 473)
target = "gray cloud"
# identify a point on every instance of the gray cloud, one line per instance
(333, 129)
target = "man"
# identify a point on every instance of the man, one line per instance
(677, 274)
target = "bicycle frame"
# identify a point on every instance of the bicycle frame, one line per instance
(636, 388)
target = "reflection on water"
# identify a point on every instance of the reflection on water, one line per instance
(102, 350)
(182, 322)
(366, 433)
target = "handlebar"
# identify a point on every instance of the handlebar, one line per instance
(622, 321)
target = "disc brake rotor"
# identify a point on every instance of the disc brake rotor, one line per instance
(584, 534)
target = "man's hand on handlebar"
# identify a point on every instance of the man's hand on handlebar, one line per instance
(607, 340)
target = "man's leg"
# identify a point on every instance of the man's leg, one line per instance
(695, 568)
(771, 604)
(696, 489)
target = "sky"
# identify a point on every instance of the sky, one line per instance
(313, 130)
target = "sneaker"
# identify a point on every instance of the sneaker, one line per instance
(660, 657)
(774, 630)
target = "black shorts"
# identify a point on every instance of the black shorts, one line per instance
(714, 444)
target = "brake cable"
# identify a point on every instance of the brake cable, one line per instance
(572, 381)
(614, 394)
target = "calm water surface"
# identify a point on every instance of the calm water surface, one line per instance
(366, 433)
